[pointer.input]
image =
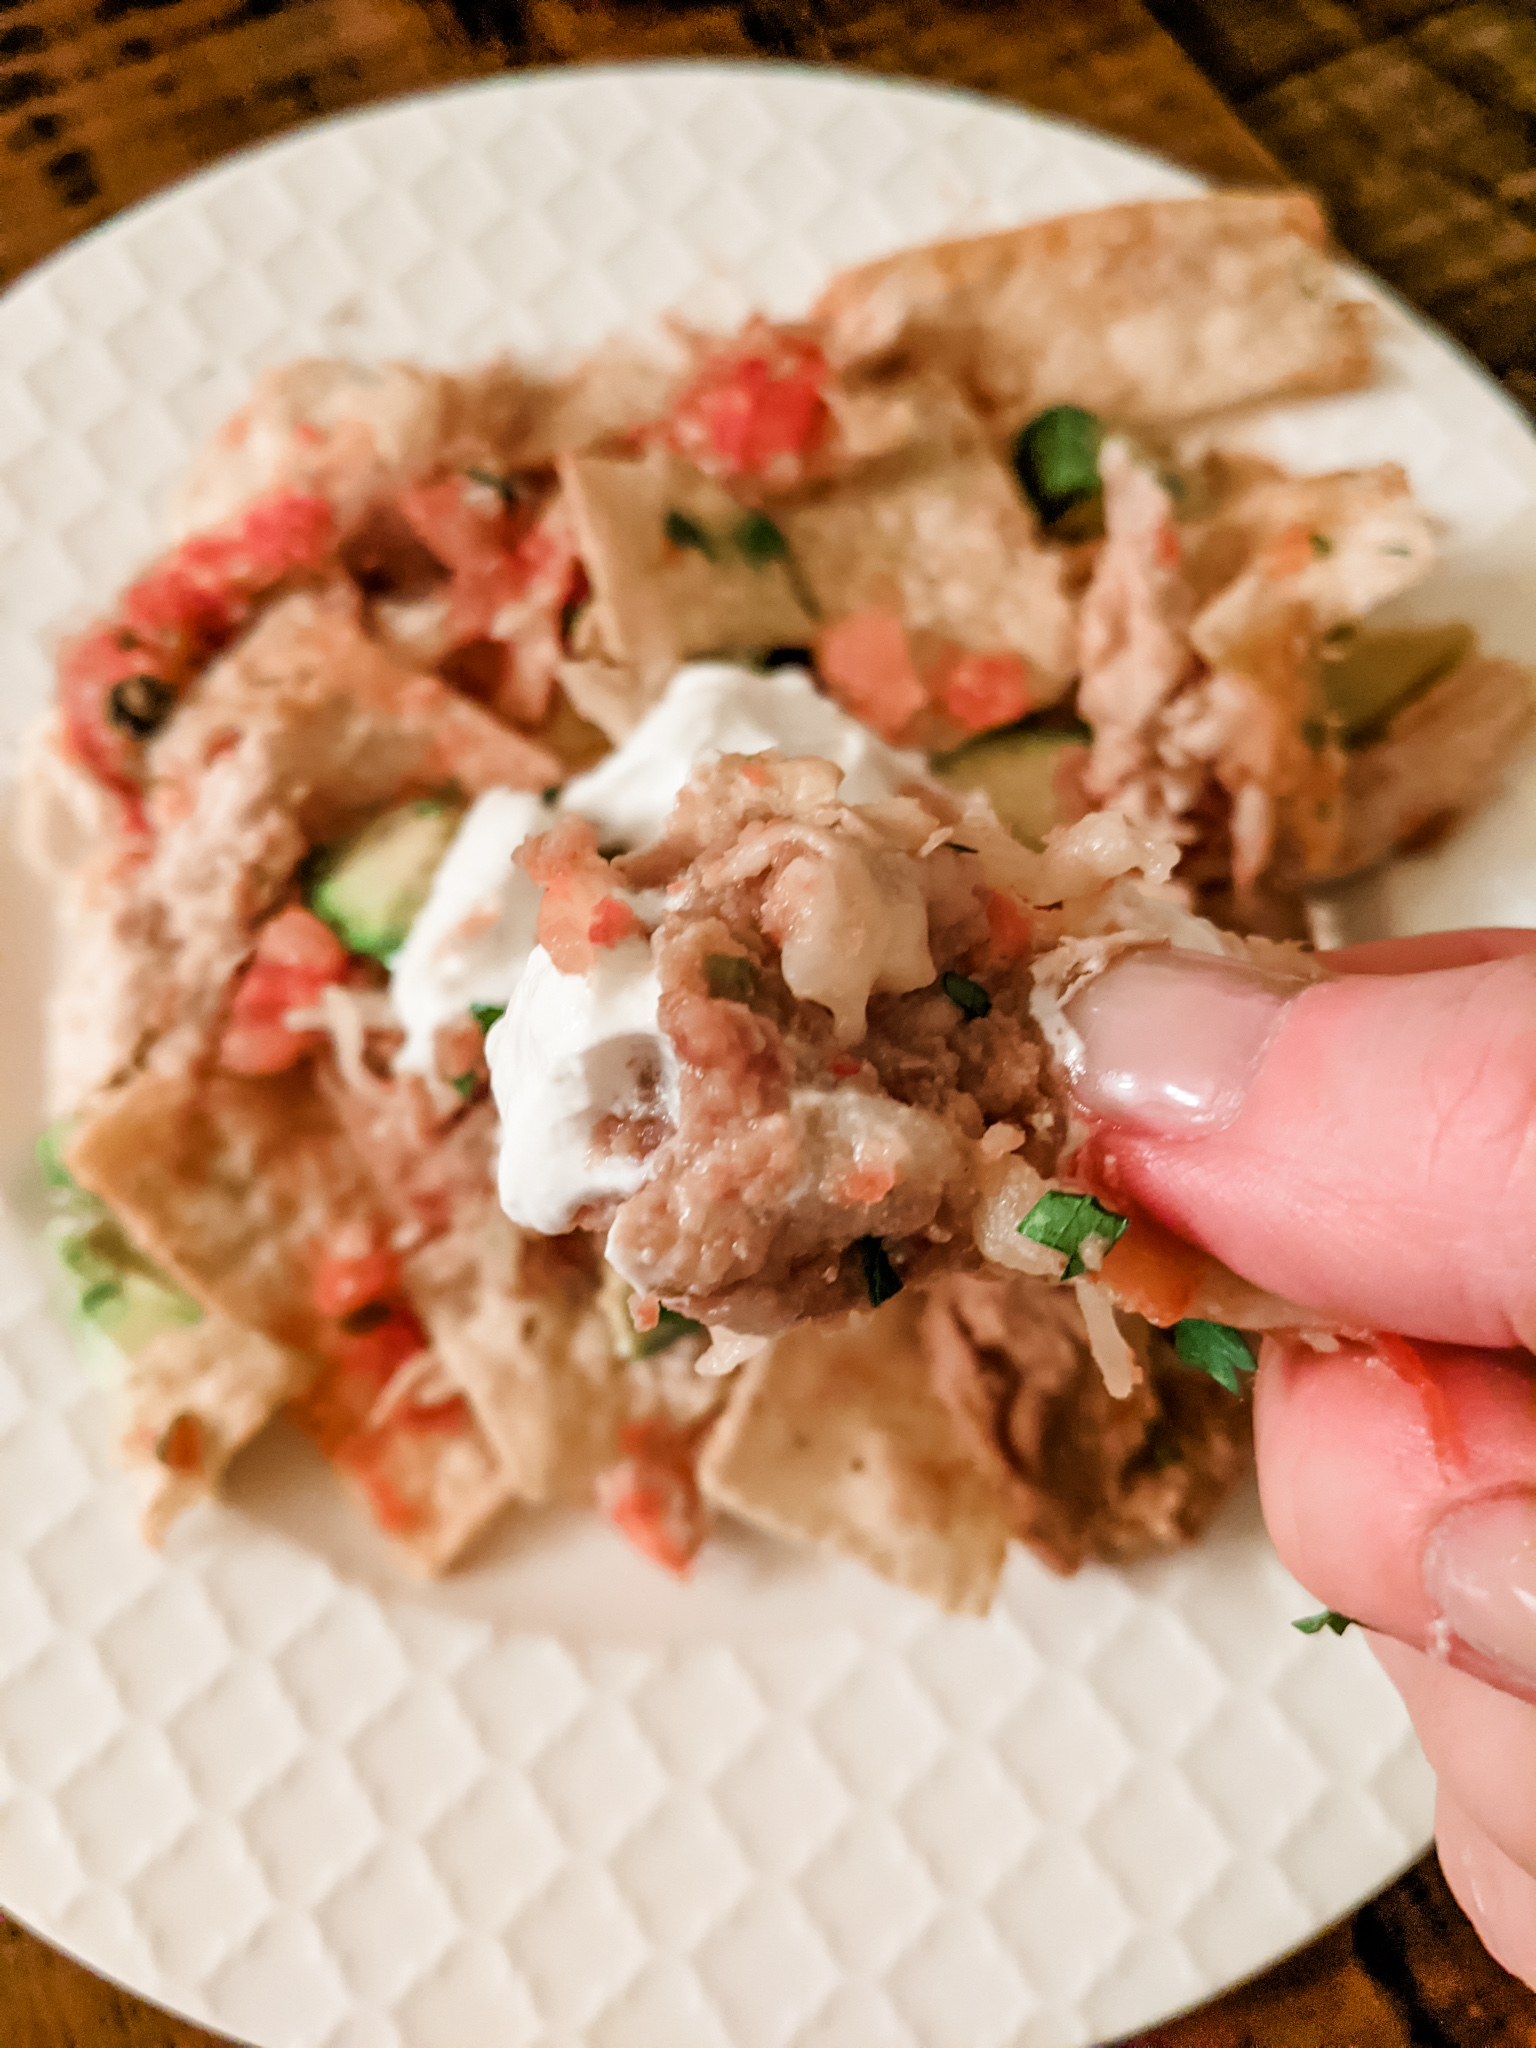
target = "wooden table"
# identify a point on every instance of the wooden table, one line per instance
(1414, 118)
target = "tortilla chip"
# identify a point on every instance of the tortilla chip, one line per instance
(429, 1477)
(656, 603)
(1445, 752)
(232, 1185)
(194, 1396)
(835, 1434)
(1159, 311)
(943, 540)
(605, 398)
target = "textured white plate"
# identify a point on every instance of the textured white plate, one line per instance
(264, 1779)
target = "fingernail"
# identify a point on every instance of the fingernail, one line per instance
(1480, 1572)
(1170, 1041)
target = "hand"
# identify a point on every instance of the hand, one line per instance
(1367, 1146)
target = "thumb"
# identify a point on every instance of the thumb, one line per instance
(1364, 1145)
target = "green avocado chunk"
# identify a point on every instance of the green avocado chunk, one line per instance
(370, 888)
(1017, 770)
(119, 1290)
(1381, 673)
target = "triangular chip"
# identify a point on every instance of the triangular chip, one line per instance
(1157, 311)
(835, 1434)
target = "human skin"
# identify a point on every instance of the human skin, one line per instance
(1367, 1145)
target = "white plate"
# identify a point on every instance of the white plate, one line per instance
(266, 1781)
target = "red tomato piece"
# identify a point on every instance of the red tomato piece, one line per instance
(296, 957)
(296, 938)
(755, 409)
(342, 1284)
(652, 1498)
(612, 921)
(867, 665)
(377, 1354)
(980, 691)
(1008, 928)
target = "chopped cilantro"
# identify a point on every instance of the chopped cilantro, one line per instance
(759, 539)
(730, 977)
(1214, 1348)
(670, 1326)
(486, 1014)
(1065, 1223)
(550, 793)
(966, 995)
(505, 487)
(1056, 460)
(97, 1297)
(464, 1085)
(49, 1153)
(881, 1279)
(684, 532)
(1320, 544)
(1314, 1624)
(140, 705)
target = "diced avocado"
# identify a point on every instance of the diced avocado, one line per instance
(1378, 674)
(121, 1292)
(1018, 770)
(370, 888)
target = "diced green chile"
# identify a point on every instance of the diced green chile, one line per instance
(670, 1326)
(487, 1014)
(1214, 1348)
(1065, 1222)
(1056, 459)
(684, 532)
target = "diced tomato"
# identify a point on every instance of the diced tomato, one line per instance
(297, 939)
(171, 621)
(755, 409)
(1154, 1273)
(296, 957)
(1287, 554)
(1009, 931)
(980, 691)
(865, 1185)
(652, 1497)
(377, 1353)
(867, 665)
(612, 921)
(844, 1066)
(180, 1446)
(446, 1418)
(342, 1284)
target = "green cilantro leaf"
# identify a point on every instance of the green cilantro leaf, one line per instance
(486, 1014)
(1320, 544)
(881, 1279)
(966, 995)
(730, 977)
(1314, 1624)
(759, 539)
(464, 1085)
(1056, 459)
(1214, 1348)
(684, 532)
(1065, 1222)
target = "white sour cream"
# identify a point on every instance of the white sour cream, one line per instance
(716, 707)
(573, 1051)
(472, 937)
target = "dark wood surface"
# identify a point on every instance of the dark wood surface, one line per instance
(1416, 120)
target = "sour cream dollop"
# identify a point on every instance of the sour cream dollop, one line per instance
(472, 937)
(573, 1053)
(573, 1050)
